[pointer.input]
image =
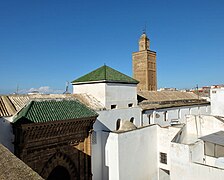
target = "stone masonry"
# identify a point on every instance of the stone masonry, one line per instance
(144, 66)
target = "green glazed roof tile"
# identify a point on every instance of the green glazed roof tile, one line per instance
(54, 110)
(106, 74)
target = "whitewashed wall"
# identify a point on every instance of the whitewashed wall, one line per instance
(202, 125)
(110, 93)
(183, 169)
(132, 155)
(165, 136)
(97, 90)
(106, 121)
(217, 102)
(107, 118)
(121, 95)
(6, 133)
(157, 116)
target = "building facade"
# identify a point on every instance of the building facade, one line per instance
(53, 138)
(117, 93)
(144, 65)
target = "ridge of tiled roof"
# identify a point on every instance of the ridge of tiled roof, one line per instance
(43, 110)
(6, 107)
(105, 74)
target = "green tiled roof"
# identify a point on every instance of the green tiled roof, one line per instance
(105, 74)
(54, 110)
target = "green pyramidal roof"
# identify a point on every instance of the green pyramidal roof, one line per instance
(105, 74)
(54, 110)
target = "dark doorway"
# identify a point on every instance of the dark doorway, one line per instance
(59, 173)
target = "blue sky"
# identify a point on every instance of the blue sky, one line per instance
(44, 43)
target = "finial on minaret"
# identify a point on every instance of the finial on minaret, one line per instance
(144, 41)
(144, 29)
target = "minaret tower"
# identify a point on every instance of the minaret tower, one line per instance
(144, 65)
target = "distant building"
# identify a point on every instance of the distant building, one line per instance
(144, 65)
(167, 89)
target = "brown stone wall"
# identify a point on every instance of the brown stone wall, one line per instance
(44, 146)
(144, 70)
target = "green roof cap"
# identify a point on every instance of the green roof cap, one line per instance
(105, 74)
(54, 110)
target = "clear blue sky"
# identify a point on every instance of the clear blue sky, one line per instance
(44, 43)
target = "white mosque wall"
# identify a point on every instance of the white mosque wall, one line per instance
(203, 125)
(217, 102)
(106, 122)
(182, 168)
(6, 133)
(111, 95)
(165, 136)
(167, 116)
(121, 95)
(97, 90)
(133, 155)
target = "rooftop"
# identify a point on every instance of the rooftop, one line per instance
(43, 110)
(215, 138)
(10, 104)
(13, 168)
(105, 74)
(168, 99)
(159, 96)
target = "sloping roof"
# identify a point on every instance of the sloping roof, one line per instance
(52, 110)
(159, 96)
(89, 101)
(149, 106)
(105, 74)
(19, 101)
(10, 104)
(12, 168)
(6, 107)
(168, 99)
(215, 138)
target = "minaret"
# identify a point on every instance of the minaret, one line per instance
(144, 65)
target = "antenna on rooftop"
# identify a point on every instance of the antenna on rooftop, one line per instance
(17, 89)
(66, 88)
(197, 91)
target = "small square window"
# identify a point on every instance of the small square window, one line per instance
(113, 106)
(163, 158)
(130, 105)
